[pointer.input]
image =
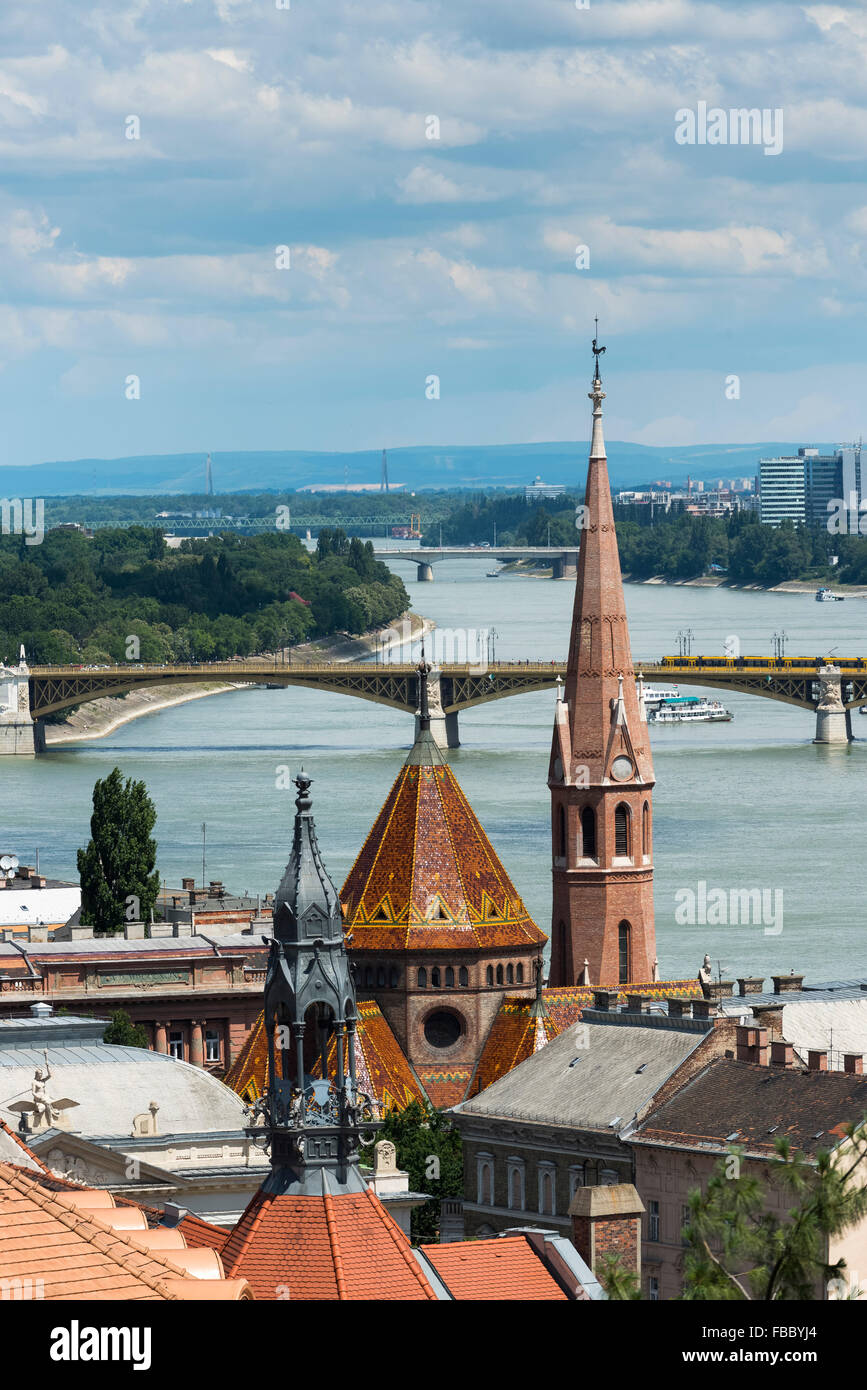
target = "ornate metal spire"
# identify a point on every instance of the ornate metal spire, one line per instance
(312, 1124)
(424, 752)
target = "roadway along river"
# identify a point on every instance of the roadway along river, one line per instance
(748, 805)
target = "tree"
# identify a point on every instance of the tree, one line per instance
(123, 1032)
(739, 1246)
(119, 881)
(429, 1150)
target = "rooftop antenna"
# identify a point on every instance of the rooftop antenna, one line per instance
(209, 477)
(383, 482)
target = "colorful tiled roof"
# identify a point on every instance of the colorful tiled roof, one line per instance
(497, 1270)
(383, 1070)
(343, 1247)
(516, 1034)
(445, 1085)
(428, 876)
(77, 1245)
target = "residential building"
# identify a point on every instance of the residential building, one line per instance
(743, 1104)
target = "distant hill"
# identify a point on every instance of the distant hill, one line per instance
(419, 468)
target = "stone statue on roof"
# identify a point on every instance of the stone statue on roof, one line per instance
(705, 977)
(40, 1112)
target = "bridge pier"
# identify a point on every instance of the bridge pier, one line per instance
(425, 574)
(565, 565)
(20, 735)
(833, 722)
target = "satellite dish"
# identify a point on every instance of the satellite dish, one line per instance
(9, 861)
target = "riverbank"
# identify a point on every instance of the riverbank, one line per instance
(100, 717)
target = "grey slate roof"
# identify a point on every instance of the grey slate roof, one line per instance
(553, 1088)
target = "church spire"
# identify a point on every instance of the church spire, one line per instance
(313, 1126)
(601, 772)
(424, 752)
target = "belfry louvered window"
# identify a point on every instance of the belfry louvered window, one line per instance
(621, 830)
(588, 832)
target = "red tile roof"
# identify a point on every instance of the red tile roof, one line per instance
(50, 1240)
(428, 876)
(504, 1269)
(342, 1247)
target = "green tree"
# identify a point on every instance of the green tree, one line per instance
(741, 1245)
(429, 1150)
(123, 1032)
(118, 864)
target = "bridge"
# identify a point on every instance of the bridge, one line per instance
(564, 562)
(28, 694)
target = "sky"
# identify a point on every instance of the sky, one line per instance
(432, 168)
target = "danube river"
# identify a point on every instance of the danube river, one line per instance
(748, 805)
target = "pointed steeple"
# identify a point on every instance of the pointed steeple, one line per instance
(313, 1127)
(601, 770)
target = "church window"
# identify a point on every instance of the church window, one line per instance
(510, 974)
(499, 974)
(624, 934)
(576, 1179)
(561, 828)
(464, 975)
(621, 830)
(380, 975)
(368, 974)
(450, 977)
(645, 828)
(422, 978)
(392, 978)
(588, 832)
(489, 975)
(442, 1028)
(435, 977)
(520, 973)
(485, 1180)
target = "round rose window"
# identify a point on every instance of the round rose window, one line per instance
(621, 768)
(442, 1029)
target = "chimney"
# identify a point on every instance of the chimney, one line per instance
(188, 884)
(679, 1008)
(607, 1221)
(720, 989)
(853, 1062)
(817, 1060)
(605, 999)
(637, 1003)
(787, 984)
(752, 1044)
(704, 1008)
(782, 1053)
(751, 984)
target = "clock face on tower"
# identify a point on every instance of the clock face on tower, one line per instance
(621, 769)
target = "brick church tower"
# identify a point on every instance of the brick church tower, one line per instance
(601, 773)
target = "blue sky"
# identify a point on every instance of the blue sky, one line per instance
(308, 127)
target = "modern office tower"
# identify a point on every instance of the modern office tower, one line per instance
(782, 486)
(805, 487)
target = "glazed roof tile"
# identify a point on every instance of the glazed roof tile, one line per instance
(342, 1247)
(428, 877)
(504, 1269)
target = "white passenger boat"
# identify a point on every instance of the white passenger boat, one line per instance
(690, 709)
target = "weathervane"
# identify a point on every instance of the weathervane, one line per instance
(597, 351)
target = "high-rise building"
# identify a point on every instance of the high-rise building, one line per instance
(601, 772)
(803, 488)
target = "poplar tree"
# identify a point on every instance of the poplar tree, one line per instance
(119, 881)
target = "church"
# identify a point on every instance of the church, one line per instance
(447, 961)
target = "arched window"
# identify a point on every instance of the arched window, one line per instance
(450, 977)
(464, 975)
(485, 1180)
(422, 978)
(368, 974)
(380, 975)
(645, 828)
(621, 830)
(546, 1189)
(392, 978)
(561, 831)
(510, 974)
(588, 832)
(624, 949)
(435, 977)
(499, 974)
(515, 1184)
(520, 974)
(489, 975)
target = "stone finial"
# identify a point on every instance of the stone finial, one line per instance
(384, 1158)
